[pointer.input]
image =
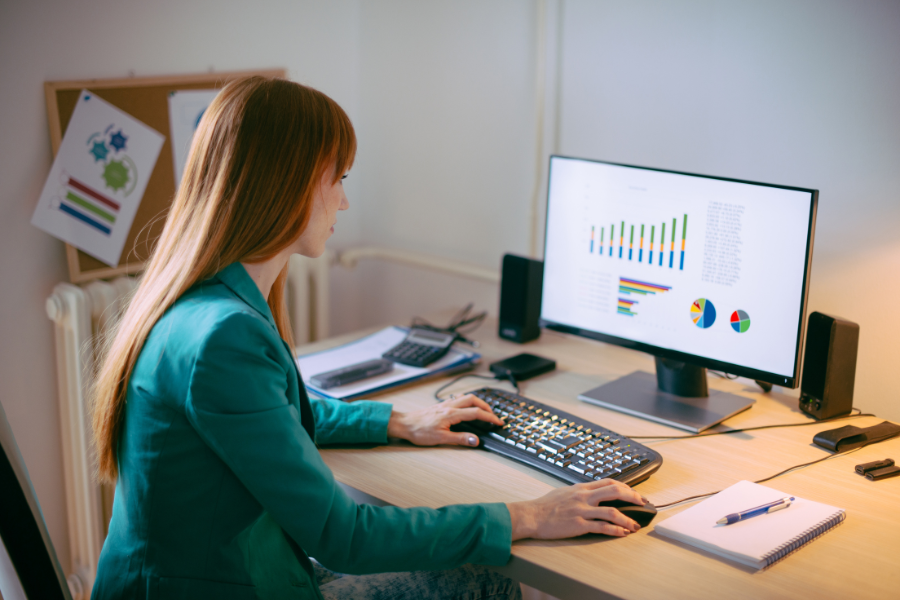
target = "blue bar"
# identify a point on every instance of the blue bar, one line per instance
(71, 211)
(629, 253)
(620, 250)
(661, 253)
(650, 261)
(682, 261)
(640, 255)
(592, 246)
(671, 257)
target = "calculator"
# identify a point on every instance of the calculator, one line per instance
(421, 347)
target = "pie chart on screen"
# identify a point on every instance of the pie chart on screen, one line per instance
(703, 313)
(740, 321)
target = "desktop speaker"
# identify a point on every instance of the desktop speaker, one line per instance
(520, 298)
(829, 366)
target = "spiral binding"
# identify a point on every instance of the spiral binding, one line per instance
(803, 538)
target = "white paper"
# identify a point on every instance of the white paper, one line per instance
(186, 107)
(369, 348)
(745, 541)
(98, 179)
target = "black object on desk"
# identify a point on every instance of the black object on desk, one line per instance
(850, 436)
(562, 445)
(829, 366)
(352, 373)
(522, 366)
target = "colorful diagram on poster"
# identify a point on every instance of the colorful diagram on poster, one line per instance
(703, 313)
(98, 178)
(186, 108)
(740, 321)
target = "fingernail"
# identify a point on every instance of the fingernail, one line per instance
(645, 500)
(473, 441)
(635, 527)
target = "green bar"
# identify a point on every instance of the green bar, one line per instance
(673, 231)
(662, 236)
(601, 236)
(88, 206)
(622, 233)
(684, 231)
(652, 234)
(642, 231)
(631, 240)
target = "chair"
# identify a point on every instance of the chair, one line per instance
(28, 564)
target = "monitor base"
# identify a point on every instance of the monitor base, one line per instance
(639, 395)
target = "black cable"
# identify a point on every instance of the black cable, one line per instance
(460, 324)
(701, 435)
(463, 376)
(789, 469)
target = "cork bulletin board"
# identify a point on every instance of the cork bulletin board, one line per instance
(146, 99)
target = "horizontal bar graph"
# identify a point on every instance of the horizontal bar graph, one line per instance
(633, 287)
(625, 307)
(641, 288)
(641, 240)
(91, 207)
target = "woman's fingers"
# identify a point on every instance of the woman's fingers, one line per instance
(473, 412)
(606, 528)
(613, 491)
(611, 515)
(469, 400)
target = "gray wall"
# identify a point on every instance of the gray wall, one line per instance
(443, 97)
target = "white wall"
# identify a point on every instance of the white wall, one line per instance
(802, 93)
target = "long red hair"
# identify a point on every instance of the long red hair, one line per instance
(260, 151)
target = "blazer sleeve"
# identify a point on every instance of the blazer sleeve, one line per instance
(358, 422)
(237, 402)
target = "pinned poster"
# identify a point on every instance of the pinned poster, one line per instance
(186, 108)
(98, 179)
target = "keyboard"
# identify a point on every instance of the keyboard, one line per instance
(559, 444)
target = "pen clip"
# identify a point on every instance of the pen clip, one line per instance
(781, 506)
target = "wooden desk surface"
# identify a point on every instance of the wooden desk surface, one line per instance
(858, 559)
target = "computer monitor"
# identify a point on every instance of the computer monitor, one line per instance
(699, 271)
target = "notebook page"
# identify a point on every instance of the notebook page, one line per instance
(746, 541)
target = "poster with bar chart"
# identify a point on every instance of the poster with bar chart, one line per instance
(641, 241)
(98, 178)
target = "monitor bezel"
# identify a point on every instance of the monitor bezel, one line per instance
(667, 353)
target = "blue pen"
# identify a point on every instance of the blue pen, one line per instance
(752, 512)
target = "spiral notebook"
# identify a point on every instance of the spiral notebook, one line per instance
(759, 541)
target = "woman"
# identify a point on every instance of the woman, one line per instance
(201, 417)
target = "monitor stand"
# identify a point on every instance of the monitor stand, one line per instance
(678, 396)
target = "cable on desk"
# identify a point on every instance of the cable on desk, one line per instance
(511, 379)
(460, 324)
(770, 477)
(702, 435)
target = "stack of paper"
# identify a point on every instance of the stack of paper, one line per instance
(372, 347)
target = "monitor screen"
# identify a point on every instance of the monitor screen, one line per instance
(706, 270)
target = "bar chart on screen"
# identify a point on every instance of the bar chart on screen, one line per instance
(637, 241)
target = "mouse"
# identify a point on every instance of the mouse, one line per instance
(642, 515)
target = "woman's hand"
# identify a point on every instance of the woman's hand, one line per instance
(431, 426)
(572, 511)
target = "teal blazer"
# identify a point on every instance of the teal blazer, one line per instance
(222, 492)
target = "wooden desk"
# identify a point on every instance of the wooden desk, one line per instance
(855, 560)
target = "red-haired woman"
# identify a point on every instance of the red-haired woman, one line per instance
(201, 418)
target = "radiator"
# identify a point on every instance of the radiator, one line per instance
(82, 314)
